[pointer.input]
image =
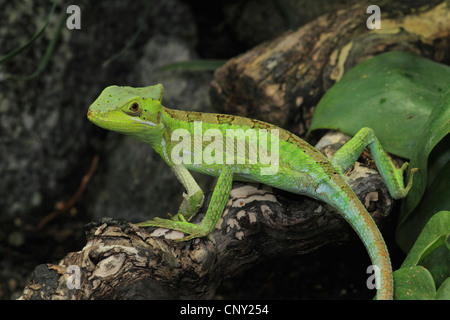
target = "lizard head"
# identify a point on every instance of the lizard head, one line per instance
(127, 110)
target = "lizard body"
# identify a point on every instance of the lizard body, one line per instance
(203, 142)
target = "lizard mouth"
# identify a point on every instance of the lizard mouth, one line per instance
(116, 123)
(96, 118)
(91, 115)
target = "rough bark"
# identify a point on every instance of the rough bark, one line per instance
(122, 261)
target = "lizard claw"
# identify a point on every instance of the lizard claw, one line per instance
(192, 230)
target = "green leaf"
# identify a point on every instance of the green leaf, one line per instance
(413, 283)
(438, 263)
(443, 292)
(393, 93)
(431, 252)
(431, 154)
(434, 235)
(432, 248)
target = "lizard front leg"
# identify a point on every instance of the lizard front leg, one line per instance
(192, 199)
(215, 209)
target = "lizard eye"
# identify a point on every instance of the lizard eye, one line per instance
(134, 107)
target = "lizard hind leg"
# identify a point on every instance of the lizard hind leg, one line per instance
(346, 156)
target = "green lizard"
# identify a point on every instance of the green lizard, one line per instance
(294, 166)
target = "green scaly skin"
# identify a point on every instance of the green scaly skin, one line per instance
(301, 168)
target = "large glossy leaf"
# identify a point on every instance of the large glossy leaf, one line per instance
(427, 265)
(435, 198)
(443, 292)
(434, 173)
(413, 283)
(432, 248)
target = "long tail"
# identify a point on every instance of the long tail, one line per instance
(357, 216)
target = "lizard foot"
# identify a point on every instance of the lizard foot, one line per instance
(192, 230)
